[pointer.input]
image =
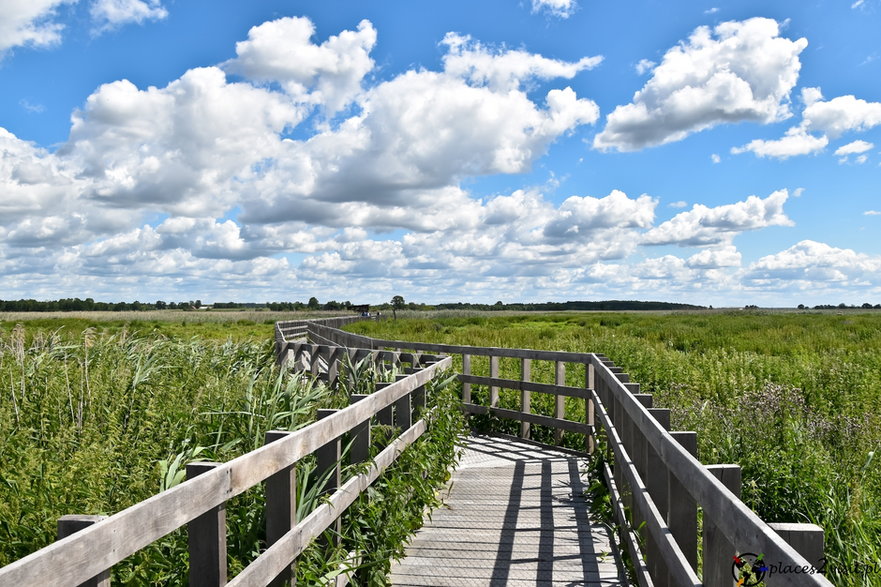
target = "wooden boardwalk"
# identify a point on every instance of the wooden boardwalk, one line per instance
(514, 514)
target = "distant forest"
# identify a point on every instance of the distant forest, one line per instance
(88, 305)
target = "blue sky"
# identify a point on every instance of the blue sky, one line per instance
(704, 152)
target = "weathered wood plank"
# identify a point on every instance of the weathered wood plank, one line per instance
(739, 524)
(525, 395)
(274, 560)
(76, 559)
(569, 425)
(281, 506)
(206, 539)
(655, 524)
(562, 390)
(73, 523)
(531, 525)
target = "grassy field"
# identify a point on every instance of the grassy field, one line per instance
(236, 325)
(794, 398)
(101, 411)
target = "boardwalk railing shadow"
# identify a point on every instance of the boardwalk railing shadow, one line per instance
(512, 521)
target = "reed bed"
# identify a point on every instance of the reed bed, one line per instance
(794, 398)
(94, 419)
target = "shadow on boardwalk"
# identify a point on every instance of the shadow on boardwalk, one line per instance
(515, 513)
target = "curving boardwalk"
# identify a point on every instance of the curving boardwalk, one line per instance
(515, 514)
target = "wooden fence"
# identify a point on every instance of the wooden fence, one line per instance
(89, 546)
(656, 481)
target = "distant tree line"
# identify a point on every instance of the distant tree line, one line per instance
(607, 305)
(397, 303)
(88, 305)
(866, 306)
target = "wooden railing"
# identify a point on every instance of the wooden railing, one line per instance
(89, 546)
(657, 483)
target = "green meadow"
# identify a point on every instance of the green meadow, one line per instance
(101, 411)
(794, 398)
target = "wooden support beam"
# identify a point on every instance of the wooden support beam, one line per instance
(525, 396)
(466, 370)
(493, 389)
(589, 441)
(681, 507)
(360, 435)
(807, 539)
(656, 482)
(329, 460)
(560, 401)
(206, 539)
(72, 524)
(385, 416)
(404, 411)
(718, 552)
(281, 506)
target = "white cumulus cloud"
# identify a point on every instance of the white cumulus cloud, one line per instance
(561, 8)
(816, 264)
(795, 142)
(736, 71)
(703, 225)
(841, 114)
(715, 258)
(858, 148)
(504, 70)
(330, 73)
(643, 66)
(854, 148)
(109, 14)
(29, 23)
(178, 146)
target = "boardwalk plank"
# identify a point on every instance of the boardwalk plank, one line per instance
(514, 514)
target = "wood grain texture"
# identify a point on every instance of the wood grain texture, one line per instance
(514, 514)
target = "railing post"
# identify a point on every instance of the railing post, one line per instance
(589, 416)
(525, 395)
(656, 474)
(333, 365)
(560, 400)
(806, 539)
(403, 410)
(419, 401)
(72, 524)
(635, 444)
(206, 539)
(466, 387)
(493, 389)
(385, 417)
(328, 458)
(281, 507)
(314, 360)
(360, 451)
(718, 553)
(681, 507)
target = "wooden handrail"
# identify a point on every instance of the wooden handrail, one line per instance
(608, 390)
(96, 548)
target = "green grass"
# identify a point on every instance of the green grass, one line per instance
(794, 398)
(216, 325)
(99, 413)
